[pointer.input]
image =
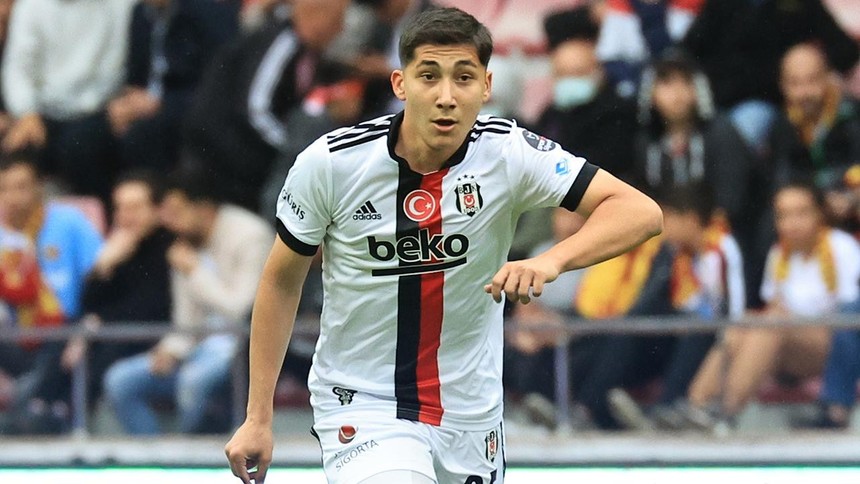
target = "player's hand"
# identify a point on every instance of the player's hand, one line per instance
(250, 452)
(521, 279)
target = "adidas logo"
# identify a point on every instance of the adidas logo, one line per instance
(367, 212)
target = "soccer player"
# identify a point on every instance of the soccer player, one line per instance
(415, 213)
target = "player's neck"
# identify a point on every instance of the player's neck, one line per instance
(420, 157)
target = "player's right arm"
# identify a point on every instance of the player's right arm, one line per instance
(272, 322)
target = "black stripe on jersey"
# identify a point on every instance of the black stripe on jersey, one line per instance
(292, 242)
(495, 121)
(356, 134)
(577, 189)
(360, 129)
(418, 269)
(477, 132)
(408, 312)
(359, 141)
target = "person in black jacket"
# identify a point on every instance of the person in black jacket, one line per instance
(130, 281)
(236, 124)
(825, 121)
(739, 44)
(171, 42)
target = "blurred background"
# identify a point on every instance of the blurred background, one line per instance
(144, 143)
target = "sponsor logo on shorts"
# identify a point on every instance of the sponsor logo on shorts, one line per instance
(346, 434)
(347, 456)
(492, 441)
(345, 395)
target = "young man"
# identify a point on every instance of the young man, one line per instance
(417, 211)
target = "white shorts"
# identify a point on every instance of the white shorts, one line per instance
(356, 446)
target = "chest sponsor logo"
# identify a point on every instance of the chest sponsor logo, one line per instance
(424, 253)
(538, 142)
(468, 196)
(419, 205)
(347, 456)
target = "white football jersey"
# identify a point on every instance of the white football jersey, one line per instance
(406, 326)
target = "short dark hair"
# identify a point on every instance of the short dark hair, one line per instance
(805, 184)
(696, 197)
(27, 156)
(146, 177)
(445, 26)
(194, 183)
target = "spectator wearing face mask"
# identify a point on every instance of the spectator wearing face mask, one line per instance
(585, 113)
(585, 110)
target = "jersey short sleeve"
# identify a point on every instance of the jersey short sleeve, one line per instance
(543, 174)
(768, 284)
(304, 204)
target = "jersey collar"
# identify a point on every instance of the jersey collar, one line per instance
(394, 132)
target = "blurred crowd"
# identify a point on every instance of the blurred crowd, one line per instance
(143, 145)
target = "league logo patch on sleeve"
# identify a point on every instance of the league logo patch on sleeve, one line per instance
(468, 199)
(538, 142)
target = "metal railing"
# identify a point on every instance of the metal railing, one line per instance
(644, 326)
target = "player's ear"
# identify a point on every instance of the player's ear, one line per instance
(397, 84)
(488, 87)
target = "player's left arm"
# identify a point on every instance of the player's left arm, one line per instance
(618, 218)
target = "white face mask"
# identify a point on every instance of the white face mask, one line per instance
(572, 91)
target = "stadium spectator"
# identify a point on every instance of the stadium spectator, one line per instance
(20, 307)
(645, 282)
(257, 14)
(707, 249)
(236, 124)
(67, 246)
(634, 31)
(130, 281)
(170, 44)
(585, 114)
(5, 11)
(62, 63)
(682, 141)
(824, 119)
(740, 43)
(811, 271)
(382, 55)
(215, 264)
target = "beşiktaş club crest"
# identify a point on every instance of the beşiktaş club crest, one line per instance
(468, 199)
(492, 441)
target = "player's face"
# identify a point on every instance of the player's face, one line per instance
(443, 89)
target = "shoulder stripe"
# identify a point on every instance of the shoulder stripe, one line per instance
(365, 139)
(354, 134)
(495, 121)
(359, 129)
(476, 133)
